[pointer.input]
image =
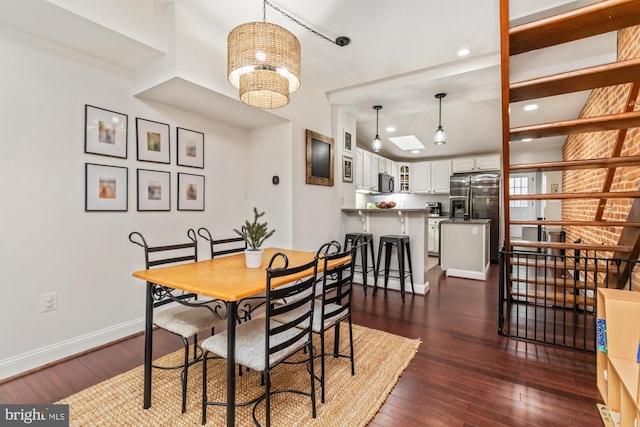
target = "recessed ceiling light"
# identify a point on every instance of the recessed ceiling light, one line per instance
(527, 139)
(415, 151)
(409, 142)
(464, 52)
(390, 129)
(530, 107)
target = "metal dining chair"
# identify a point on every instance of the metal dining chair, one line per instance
(262, 344)
(190, 316)
(334, 303)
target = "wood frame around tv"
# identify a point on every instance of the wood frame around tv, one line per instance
(320, 155)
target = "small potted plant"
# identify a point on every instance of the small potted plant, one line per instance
(254, 233)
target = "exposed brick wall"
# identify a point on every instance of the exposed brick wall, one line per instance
(608, 100)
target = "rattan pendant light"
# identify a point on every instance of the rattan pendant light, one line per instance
(263, 63)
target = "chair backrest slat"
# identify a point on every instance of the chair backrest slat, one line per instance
(165, 255)
(231, 245)
(337, 282)
(302, 291)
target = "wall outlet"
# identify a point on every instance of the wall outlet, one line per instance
(48, 302)
(474, 231)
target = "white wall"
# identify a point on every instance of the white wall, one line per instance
(271, 156)
(49, 243)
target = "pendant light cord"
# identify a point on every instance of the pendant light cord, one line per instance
(340, 41)
(440, 113)
(377, 113)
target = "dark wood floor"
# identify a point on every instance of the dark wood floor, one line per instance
(464, 373)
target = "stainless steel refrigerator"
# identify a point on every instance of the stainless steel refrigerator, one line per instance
(475, 196)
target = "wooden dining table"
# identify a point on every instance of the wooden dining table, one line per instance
(226, 279)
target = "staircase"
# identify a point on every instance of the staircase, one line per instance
(600, 169)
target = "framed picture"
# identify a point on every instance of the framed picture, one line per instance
(105, 132)
(190, 148)
(347, 141)
(347, 169)
(190, 192)
(153, 141)
(319, 159)
(154, 190)
(106, 188)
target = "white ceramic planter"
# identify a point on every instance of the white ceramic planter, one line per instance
(253, 258)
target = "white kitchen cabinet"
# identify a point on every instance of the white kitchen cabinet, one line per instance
(431, 177)
(433, 235)
(366, 170)
(367, 167)
(375, 162)
(388, 166)
(488, 163)
(421, 177)
(358, 167)
(382, 164)
(404, 177)
(440, 174)
(463, 164)
(476, 164)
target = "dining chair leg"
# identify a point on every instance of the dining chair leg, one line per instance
(353, 366)
(322, 396)
(185, 372)
(267, 397)
(336, 340)
(204, 387)
(313, 382)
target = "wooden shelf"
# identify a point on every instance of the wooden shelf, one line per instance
(598, 18)
(577, 164)
(568, 127)
(618, 371)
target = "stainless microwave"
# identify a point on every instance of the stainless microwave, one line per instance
(385, 183)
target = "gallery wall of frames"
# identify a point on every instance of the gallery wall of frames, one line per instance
(107, 185)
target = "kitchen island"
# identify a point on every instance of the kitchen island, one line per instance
(464, 247)
(379, 222)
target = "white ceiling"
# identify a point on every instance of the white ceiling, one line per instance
(401, 54)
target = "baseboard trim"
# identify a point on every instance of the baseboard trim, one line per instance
(34, 359)
(394, 284)
(467, 274)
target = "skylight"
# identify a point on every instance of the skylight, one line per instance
(409, 142)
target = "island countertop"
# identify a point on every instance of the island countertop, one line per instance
(465, 221)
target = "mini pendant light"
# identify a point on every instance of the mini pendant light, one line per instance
(440, 137)
(377, 142)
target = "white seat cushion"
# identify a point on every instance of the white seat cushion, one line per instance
(250, 344)
(328, 322)
(188, 321)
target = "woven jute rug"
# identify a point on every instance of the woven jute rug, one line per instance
(380, 359)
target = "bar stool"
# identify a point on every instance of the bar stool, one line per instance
(401, 242)
(363, 267)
